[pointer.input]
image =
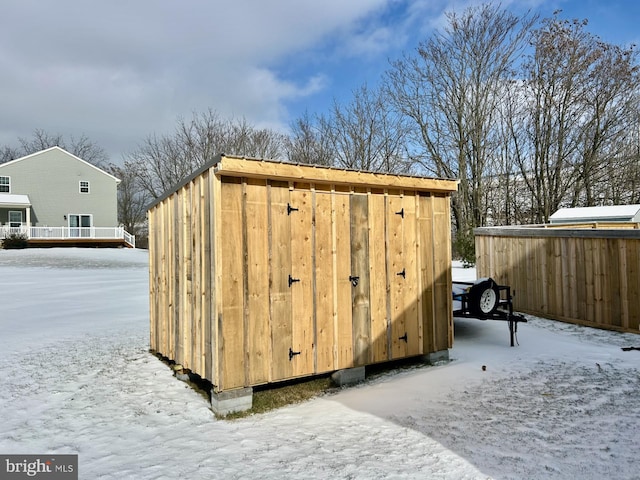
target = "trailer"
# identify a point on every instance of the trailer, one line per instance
(484, 299)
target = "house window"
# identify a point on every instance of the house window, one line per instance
(79, 225)
(5, 184)
(15, 218)
(84, 186)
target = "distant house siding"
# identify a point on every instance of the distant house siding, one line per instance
(52, 181)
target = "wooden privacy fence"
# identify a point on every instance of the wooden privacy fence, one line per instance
(263, 271)
(587, 274)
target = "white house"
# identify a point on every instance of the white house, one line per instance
(54, 197)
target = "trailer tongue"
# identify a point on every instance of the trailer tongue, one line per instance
(486, 300)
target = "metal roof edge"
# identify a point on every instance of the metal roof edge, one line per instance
(340, 169)
(217, 160)
(174, 188)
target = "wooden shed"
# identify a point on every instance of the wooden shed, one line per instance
(264, 271)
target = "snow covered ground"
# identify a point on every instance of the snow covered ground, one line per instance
(76, 377)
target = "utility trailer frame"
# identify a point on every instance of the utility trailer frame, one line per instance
(484, 299)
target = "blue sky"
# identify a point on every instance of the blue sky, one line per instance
(118, 71)
(614, 21)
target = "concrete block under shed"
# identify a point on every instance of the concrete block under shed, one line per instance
(229, 401)
(348, 376)
(435, 357)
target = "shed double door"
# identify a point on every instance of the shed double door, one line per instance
(384, 286)
(383, 249)
(343, 280)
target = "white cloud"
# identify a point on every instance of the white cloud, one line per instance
(120, 70)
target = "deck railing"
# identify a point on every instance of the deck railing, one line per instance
(70, 233)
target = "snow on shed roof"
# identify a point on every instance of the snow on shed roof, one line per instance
(612, 213)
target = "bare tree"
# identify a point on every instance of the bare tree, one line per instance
(8, 153)
(579, 100)
(509, 200)
(451, 91)
(87, 150)
(244, 139)
(307, 143)
(366, 134)
(623, 182)
(132, 200)
(611, 115)
(160, 164)
(81, 147)
(162, 161)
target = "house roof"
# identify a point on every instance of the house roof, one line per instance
(61, 150)
(13, 200)
(610, 213)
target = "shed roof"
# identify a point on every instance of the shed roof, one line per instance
(241, 166)
(612, 213)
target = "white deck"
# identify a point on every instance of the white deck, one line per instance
(71, 233)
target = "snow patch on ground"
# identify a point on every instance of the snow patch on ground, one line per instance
(76, 377)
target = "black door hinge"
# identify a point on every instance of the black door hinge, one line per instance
(292, 353)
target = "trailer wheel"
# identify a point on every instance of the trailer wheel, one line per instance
(484, 298)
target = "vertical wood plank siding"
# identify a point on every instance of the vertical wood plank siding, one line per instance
(584, 276)
(280, 292)
(252, 279)
(379, 325)
(256, 241)
(325, 291)
(360, 313)
(342, 260)
(442, 282)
